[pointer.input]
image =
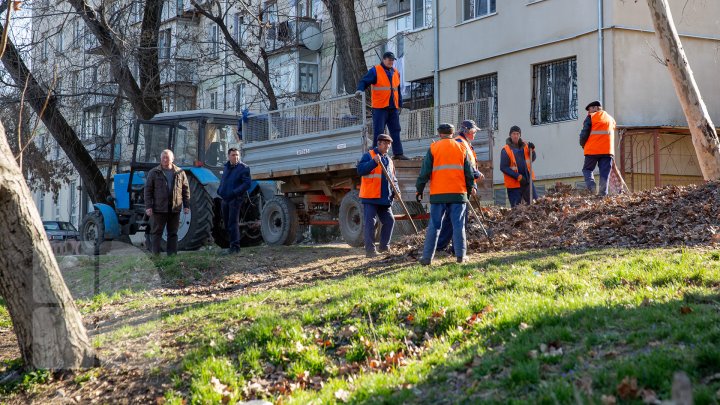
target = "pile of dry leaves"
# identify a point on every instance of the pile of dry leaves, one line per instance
(688, 215)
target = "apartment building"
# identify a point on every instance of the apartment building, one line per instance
(198, 69)
(542, 61)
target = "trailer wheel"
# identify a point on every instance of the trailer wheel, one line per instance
(92, 234)
(279, 221)
(351, 219)
(195, 227)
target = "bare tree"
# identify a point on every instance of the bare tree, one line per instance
(46, 321)
(703, 133)
(347, 40)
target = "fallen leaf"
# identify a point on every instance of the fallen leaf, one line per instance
(649, 396)
(410, 318)
(523, 326)
(608, 400)
(685, 310)
(342, 395)
(628, 388)
(439, 313)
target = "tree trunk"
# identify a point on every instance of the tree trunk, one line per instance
(347, 41)
(148, 56)
(702, 130)
(55, 122)
(46, 321)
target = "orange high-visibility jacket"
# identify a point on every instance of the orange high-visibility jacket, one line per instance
(382, 89)
(470, 150)
(371, 184)
(602, 135)
(448, 173)
(509, 181)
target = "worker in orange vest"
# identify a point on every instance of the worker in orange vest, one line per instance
(447, 165)
(377, 194)
(465, 136)
(386, 95)
(597, 139)
(514, 157)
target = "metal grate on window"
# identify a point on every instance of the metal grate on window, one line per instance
(554, 96)
(485, 86)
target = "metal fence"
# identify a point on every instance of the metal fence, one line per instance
(327, 115)
(420, 124)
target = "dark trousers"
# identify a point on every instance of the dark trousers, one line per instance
(453, 212)
(604, 162)
(446, 231)
(389, 117)
(521, 194)
(159, 221)
(384, 213)
(231, 218)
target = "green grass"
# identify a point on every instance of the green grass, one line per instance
(4, 316)
(614, 313)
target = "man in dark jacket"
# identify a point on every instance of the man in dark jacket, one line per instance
(386, 99)
(234, 184)
(513, 165)
(377, 194)
(448, 168)
(166, 192)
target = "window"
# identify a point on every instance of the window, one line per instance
(421, 13)
(554, 96)
(90, 76)
(59, 43)
(76, 33)
(239, 29)
(41, 205)
(74, 82)
(180, 6)
(477, 8)
(309, 71)
(482, 87)
(57, 211)
(44, 49)
(73, 203)
(213, 100)
(136, 12)
(397, 7)
(421, 94)
(240, 97)
(164, 41)
(214, 40)
(305, 8)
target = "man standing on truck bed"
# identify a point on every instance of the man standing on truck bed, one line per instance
(377, 194)
(384, 82)
(166, 192)
(234, 184)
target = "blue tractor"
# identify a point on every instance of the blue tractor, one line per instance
(200, 140)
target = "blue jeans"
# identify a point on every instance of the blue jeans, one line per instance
(604, 162)
(231, 218)
(455, 213)
(390, 117)
(384, 212)
(446, 232)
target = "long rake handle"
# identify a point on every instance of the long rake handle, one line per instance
(397, 192)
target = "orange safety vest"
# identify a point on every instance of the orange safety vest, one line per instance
(602, 135)
(382, 89)
(448, 173)
(510, 182)
(371, 183)
(470, 150)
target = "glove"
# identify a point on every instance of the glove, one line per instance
(531, 145)
(418, 197)
(523, 181)
(359, 93)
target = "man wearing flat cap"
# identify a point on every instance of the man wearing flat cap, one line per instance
(376, 194)
(448, 167)
(597, 139)
(384, 82)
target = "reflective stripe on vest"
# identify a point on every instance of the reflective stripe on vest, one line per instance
(602, 135)
(448, 174)
(382, 89)
(511, 182)
(371, 183)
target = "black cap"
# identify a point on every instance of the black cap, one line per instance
(593, 104)
(446, 129)
(469, 124)
(389, 55)
(515, 128)
(384, 137)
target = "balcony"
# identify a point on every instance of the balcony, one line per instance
(100, 95)
(174, 71)
(295, 32)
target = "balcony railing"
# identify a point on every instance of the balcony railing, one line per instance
(178, 71)
(287, 34)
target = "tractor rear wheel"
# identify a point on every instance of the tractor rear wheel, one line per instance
(195, 227)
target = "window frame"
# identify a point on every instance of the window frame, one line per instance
(427, 6)
(492, 79)
(491, 9)
(537, 116)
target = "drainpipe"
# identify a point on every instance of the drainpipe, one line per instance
(601, 58)
(436, 79)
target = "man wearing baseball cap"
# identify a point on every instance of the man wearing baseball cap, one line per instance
(376, 194)
(597, 139)
(386, 95)
(448, 167)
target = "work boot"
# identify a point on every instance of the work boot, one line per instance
(371, 253)
(385, 250)
(424, 261)
(231, 251)
(400, 157)
(462, 259)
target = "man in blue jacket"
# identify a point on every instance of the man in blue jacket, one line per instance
(514, 159)
(234, 184)
(377, 194)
